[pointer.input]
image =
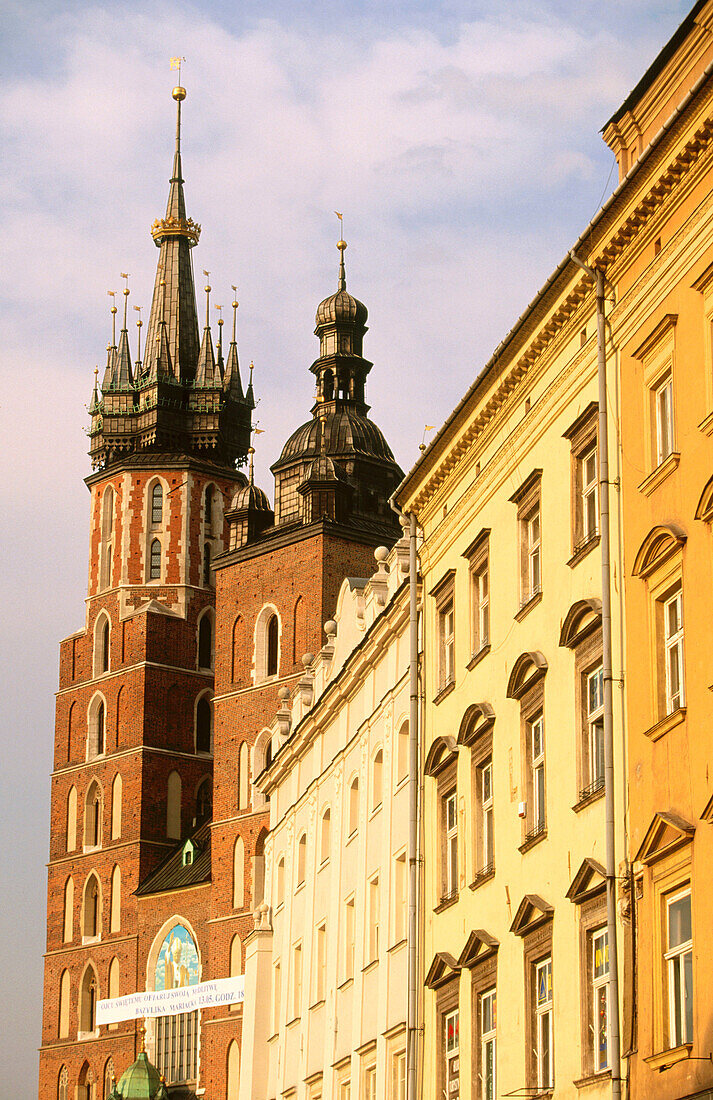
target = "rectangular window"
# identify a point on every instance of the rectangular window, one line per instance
(589, 499)
(450, 863)
(673, 645)
(320, 962)
(451, 1038)
(400, 898)
(480, 596)
(277, 991)
(600, 999)
(663, 403)
(486, 853)
(369, 1090)
(532, 578)
(345, 1090)
(446, 637)
(296, 980)
(595, 728)
(679, 964)
(487, 1045)
(349, 939)
(537, 817)
(544, 1045)
(373, 919)
(398, 1076)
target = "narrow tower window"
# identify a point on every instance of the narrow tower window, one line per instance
(155, 563)
(157, 505)
(205, 642)
(204, 725)
(206, 565)
(272, 645)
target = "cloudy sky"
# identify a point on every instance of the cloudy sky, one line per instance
(463, 148)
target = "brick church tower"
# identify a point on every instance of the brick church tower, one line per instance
(201, 603)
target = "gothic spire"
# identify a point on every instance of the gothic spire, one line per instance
(232, 383)
(175, 235)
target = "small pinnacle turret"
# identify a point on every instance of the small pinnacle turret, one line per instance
(175, 399)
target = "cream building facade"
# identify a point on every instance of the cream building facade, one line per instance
(330, 940)
(515, 952)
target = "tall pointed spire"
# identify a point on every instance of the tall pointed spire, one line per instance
(232, 383)
(121, 376)
(175, 235)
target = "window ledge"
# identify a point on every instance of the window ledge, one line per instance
(593, 1079)
(667, 1058)
(84, 1035)
(446, 901)
(397, 945)
(346, 983)
(666, 724)
(482, 877)
(317, 1004)
(291, 1023)
(90, 939)
(370, 966)
(589, 795)
(527, 606)
(375, 810)
(350, 838)
(273, 1038)
(582, 550)
(532, 839)
(478, 656)
(442, 692)
(707, 424)
(300, 886)
(657, 476)
(323, 864)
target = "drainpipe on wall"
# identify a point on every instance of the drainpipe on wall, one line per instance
(605, 541)
(412, 1092)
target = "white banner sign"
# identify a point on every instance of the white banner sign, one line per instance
(171, 1002)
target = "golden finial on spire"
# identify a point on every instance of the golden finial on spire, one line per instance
(112, 295)
(251, 452)
(235, 307)
(142, 1034)
(208, 289)
(341, 245)
(127, 292)
(139, 323)
(179, 92)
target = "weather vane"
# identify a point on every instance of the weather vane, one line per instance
(341, 224)
(176, 63)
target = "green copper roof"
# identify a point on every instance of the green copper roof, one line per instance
(141, 1081)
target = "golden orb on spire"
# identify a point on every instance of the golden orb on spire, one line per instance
(341, 245)
(179, 93)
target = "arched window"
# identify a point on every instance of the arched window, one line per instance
(107, 541)
(354, 805)
(280, 886)
(238, 648)
(239, 874)
(93, 815)
(88, 1001)
(325, 837)
(102, 635)
(63, 1083)
(116, 793)
(233, 1073)
(68, 924)
(236, 962)
(205, 641)
(301, 859)
(96, 728)
(86, 1082)
(259, 870)
(243, 777)
(155, 561)
(207, 570)
(173, 807)
(175, 962)
(208, 511)
(157, 505)
(204, 725)
(113, 984)
(272, 645)
(109, 1078)
(115, 915)
(377, 780)
(63, 1019)
(120, 715)
(204, 800)
(328, 385)
(299, 629)
(71, 730)
(91, 910)
(72, 819)
(402, 761)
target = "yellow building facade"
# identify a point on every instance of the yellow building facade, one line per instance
(516, 961)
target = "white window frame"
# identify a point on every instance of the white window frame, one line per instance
(679, 961)
(600, 994)
(446, 626)
(537, 763)
(487, 819)
(533, 537)
(663, 405)
(544, 1026)
(450, 825)
(374, 917)
(398, 1075)
(589, 494)
(673, 652)
(480, 589)
(595, 727)
(349, 936)
(488, 1045)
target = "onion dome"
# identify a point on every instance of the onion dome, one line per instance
(341, 306)
(251, 497)
(141, 1081)
(346, 432)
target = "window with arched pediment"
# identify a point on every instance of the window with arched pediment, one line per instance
(88, 997)
(93, 816)
(91, 909)
(96, 727)
(102, 643)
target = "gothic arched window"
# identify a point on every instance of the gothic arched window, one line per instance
(272, 645)
(88, 1001)
(204, 725)
(155, 562)
(173, 806)
(205, 641)
(157, 505)
(204, 800)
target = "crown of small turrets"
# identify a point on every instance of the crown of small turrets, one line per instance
(176, 227)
